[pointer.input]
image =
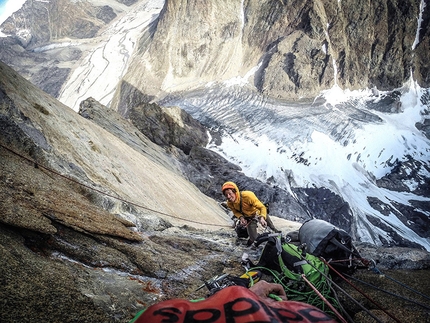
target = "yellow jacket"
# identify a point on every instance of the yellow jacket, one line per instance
(251, 205)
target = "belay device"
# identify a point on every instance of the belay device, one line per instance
(219, 282)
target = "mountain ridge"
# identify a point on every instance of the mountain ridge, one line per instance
(297, 49)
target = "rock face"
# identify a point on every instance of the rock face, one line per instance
(71, 242)
(169, 126)
(63, 220)
(137, 231)
(284, 49)
(39, 117)
(294, 49)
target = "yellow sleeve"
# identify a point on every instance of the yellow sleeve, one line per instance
(255, 202)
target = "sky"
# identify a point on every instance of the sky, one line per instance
(8, 7)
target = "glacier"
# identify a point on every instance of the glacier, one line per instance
(335, 142)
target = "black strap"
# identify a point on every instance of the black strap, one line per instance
(240, 206)
(340, 245)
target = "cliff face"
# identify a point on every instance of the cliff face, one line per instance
(290, 49)
(274, 50)
(284, 49)
(73, 246)
(70, 252)
(50, 133)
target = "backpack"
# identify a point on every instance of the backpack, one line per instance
(322, 239)
(287, 263)
(288, 259)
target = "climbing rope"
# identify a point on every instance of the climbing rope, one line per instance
(324, 299)
(388, 292)
(376, 270)
(361, 292)
(38, 165)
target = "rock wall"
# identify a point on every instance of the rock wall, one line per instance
(283, 49)
(82, 237)
(295, 49)
(43, 129)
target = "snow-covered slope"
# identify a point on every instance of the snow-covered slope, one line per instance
(336, 142)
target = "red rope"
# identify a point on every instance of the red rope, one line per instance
(361, 292)
(340, 317)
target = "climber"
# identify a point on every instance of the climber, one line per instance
(263, 302)
(248, 209)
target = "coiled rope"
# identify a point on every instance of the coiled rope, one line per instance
(296, 290)
(38, 165)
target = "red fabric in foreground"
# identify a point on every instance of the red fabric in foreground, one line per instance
(232, 305)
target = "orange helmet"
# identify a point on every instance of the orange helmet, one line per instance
(227, 185)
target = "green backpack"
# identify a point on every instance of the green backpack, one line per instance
(295, 270)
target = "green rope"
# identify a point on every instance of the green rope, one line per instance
(298, 290)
